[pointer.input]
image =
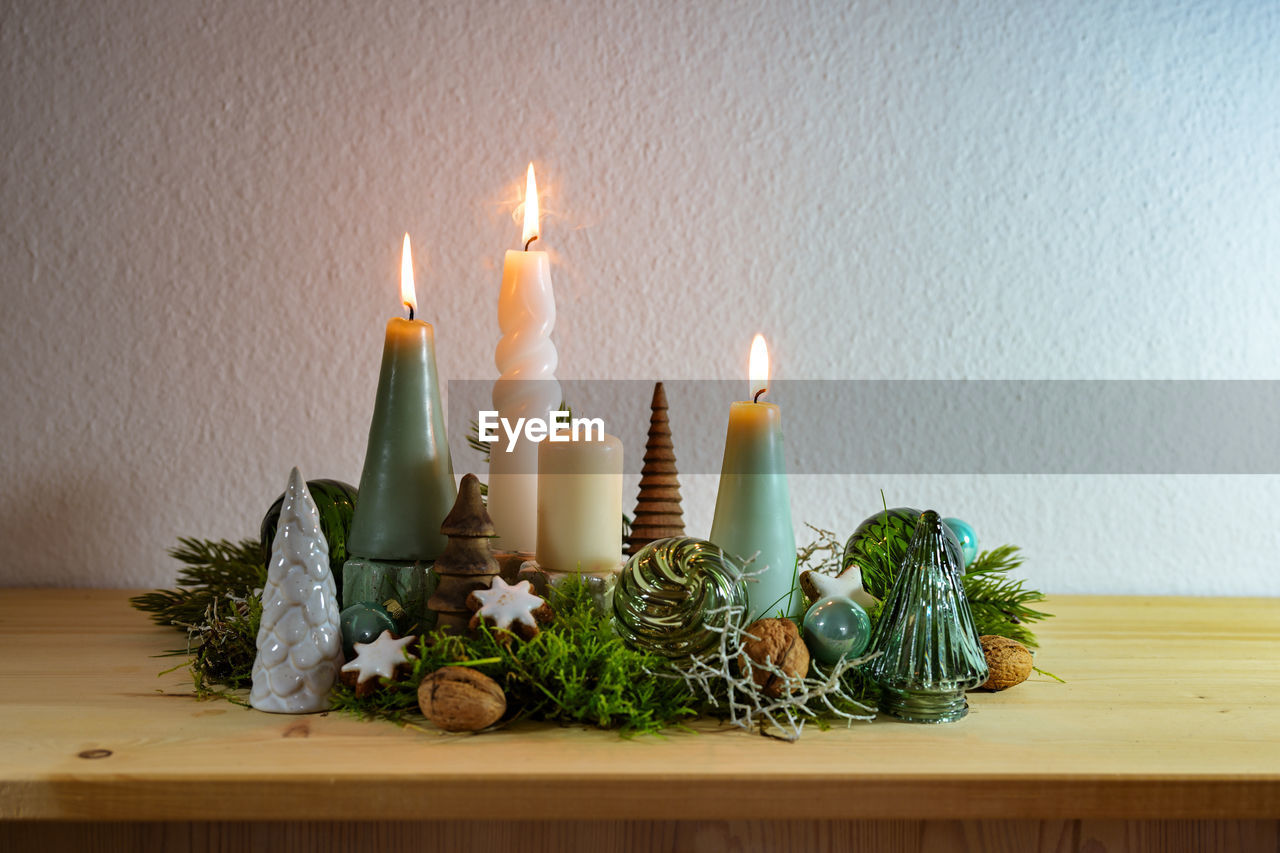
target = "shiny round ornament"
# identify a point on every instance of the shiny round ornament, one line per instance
(336, 503)
(836, 628)
(668, 594)
(965, 534)
(879, 545)
(363, 622)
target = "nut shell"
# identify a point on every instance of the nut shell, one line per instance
(1008, 662)
(780, 643)
(459, 699)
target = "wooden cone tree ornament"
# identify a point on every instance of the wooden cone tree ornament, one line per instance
(467, 564)
(658, 514)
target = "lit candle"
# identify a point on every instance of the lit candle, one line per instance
(527, 387)
(753, 506)
(580, 505)
(407, 487)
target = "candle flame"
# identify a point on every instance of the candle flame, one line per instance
(759, 366)
(407, 293)
(530, 207)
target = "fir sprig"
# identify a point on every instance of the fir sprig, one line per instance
(213, 572)
(1001, 603)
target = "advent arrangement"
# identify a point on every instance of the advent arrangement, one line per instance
(421, 599)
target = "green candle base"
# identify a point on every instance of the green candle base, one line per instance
(410, 583)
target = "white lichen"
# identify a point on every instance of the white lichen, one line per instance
(717, 676)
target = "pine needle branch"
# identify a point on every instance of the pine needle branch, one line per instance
(213, 571)
(1000, 603)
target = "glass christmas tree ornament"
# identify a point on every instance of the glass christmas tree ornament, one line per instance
(929, 650)
(966, 535)
(836, 628)
(667, 594)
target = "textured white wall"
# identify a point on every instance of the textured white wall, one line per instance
(202, 206)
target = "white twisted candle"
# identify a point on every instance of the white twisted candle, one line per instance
(527, 388)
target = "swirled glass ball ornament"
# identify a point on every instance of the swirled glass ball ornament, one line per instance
(836, 628)
(667, 595)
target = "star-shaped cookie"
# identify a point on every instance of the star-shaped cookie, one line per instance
(379, 659)
(847, 584)
(515, 609)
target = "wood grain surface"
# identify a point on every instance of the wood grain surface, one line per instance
(1169, 713)
(876, 836)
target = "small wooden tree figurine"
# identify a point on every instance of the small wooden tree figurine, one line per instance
(658, 514)
(466, 564)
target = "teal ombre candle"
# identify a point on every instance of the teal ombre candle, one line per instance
(407, 487)
(753, 506)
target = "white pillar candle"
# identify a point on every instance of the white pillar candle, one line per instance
(580, 505)
(527, 387)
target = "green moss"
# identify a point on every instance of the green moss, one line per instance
(575, 671)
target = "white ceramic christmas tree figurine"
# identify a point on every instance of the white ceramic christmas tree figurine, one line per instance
(299, 641)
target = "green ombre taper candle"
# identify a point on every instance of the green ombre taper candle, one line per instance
(407, 487)
(753, 506)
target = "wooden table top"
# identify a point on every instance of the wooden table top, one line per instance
(1171, 710)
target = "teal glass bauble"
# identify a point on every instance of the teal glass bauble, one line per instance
(965, 534)
(674, 593)
(363, 622)
(879, 544)
(836, 628)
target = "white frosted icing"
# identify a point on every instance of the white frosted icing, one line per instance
(502, 605)
(299, 646)
(379, 658)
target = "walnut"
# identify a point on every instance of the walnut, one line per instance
(459, 699)
(780, 643)
(1008, 660)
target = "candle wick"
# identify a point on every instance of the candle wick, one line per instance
(531, 239)
(756, 398)
(410, 307)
